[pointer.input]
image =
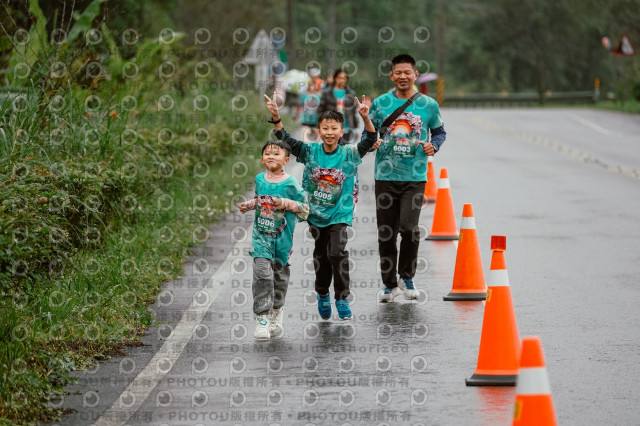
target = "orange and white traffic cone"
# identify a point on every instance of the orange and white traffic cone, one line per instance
(430, 189)
(534, 405)
(499, 351)
(444, 219)
(468, 278)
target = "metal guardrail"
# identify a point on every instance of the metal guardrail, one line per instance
(519, 99)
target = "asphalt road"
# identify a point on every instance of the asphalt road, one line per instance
(562, 184)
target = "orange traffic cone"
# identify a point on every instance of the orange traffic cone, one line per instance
(499, 351)
(430, 189)
(534, 405)
(468, 278)
(444, 220)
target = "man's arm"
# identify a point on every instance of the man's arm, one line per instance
(438, 135)
(436, 126)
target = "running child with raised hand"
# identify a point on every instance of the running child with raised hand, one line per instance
(328, 179)
(279, 203)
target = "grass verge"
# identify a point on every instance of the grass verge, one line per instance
(89, 233)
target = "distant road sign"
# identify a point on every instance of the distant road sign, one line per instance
(624, 47)
(261, 50)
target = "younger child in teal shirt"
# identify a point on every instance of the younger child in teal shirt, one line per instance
(279, 203)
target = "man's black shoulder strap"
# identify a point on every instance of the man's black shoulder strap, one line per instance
(395, 114)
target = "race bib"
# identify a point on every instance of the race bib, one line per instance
(403, 147)
(268, 220)
(404, 135)
(325, 186)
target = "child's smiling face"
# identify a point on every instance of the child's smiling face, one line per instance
(330, 132)
(274, 158)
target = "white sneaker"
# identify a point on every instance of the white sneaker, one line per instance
(388, 294)
(262, 327)
(410, 291)
(276, 329)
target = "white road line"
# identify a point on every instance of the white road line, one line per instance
(162, 362)
(561, 147)
(593, 125)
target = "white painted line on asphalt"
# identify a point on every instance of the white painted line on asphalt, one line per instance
(162, 362)
(593, 125)
(563, 148)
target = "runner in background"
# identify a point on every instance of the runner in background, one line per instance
(310, 103)
(341, 98)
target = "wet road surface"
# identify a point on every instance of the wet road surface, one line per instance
(562, 184)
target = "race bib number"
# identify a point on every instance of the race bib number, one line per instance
(325, 186)
(268, 220)
(402, 147)
(324, 193)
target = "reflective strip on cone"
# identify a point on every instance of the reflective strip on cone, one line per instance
(468, 223)
(533, 381)
(444, 184)
(498, 278)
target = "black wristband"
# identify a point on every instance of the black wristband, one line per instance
(274, 121)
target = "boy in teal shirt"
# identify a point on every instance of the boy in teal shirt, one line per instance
(279, 202)
(328, 179)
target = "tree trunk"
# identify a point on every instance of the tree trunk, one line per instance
(290, 31)
(331, 39)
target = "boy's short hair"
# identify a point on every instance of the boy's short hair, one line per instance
(277, 142)
(331, 115)
(403, 58)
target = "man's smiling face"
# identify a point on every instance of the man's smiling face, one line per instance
(403, 76)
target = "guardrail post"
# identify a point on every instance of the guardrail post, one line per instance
(440, 92)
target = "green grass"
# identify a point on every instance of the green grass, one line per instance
(116, 241)
(94, 218)
(101, 193)
(630, 106)
(100, 301)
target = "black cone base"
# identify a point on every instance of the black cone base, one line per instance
(491, 380)
(442, 237)
(465, 296)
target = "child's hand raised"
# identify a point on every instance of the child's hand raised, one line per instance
(272, 105)
(243, 207)
(363, 108)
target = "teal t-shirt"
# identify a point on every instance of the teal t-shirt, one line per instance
(272, 236)
(328, 180)
(341, 96)
(310, 102)
(400, 157)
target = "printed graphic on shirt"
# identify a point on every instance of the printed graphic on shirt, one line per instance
(340, 105)
(325, 186)
(269, 221)
(403, 135)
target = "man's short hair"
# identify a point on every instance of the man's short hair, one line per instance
(331, 115)
(277, 142)
(403, 58)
